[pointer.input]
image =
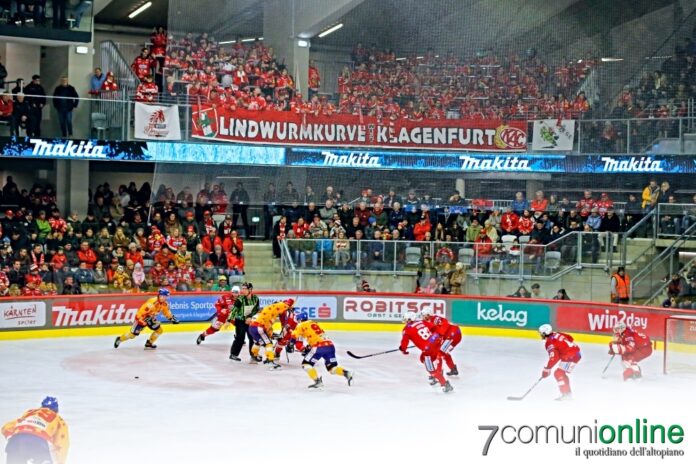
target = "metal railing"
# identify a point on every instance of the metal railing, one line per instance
(511, 259)
(658, 293)
(646, 282)
(646, 226)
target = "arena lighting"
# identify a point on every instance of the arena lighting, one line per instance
(330, 30)
(81, 49)
(140, 10)
(303, 43)
(250, 39)
(611, 60)
(226, 42)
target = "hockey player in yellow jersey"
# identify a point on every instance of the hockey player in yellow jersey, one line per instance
(320, 348)
(261, 329)
(147, 317)
(40, 436)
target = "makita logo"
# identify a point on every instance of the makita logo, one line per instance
(634, 164)
(353, 160)
(607, 320)
(499, 163)
(117, 313)
(497, 313)
(67, 150)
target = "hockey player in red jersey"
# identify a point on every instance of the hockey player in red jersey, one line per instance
(223, 307)
(451, 336)
(562, 352)
(288, 322)
(418, 333)
(633, 346)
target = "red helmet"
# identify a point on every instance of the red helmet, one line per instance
(289, 302)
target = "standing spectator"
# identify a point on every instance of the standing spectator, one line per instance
(143, 65)
(620, 286)
(240, 206)
(269, 210)
(21, 115)
(6, 109)
(96, 81)
(520, 203)
(36, 97)
(650, 193)
(65, 99)
(3, 74)
(314, 81)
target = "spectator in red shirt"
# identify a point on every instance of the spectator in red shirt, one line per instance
(586, 203)
(147, 90)
(362, 213)
(421, 228)
(144, 65)
(314, 81)
(6, 108)
(526, 223)
(86, 255)
(235, 262)
(540, 203)
(509, 221)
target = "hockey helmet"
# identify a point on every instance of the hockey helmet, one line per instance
(620, 327)
(545, 330)
(163, 292)
(51, 403)
(410, 316)
(302, 317)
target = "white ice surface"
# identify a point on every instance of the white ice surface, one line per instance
(190, 404)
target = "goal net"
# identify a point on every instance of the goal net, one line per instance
(680, 345)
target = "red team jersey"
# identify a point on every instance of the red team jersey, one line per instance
(561, 347)
(418, 333)
(224, 305)
(633, 340)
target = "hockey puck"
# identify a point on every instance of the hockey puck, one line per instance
(136, 377)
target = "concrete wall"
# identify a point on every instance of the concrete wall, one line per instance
(21, 60)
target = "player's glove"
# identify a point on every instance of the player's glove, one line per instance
(299, 346)
(174, 320)
(616, 348)
(306, 351)
(403, 351)
(289, 348)
(545, 373)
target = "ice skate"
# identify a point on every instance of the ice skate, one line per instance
(453, 371)
(318, 384)
(235, 358)
(200, 338)
(117, 342)
(447, 387)
(432, 381)
(349, 377)
(565, 397)
(149, 345)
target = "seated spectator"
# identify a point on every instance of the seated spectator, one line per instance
(70, 287)
(540, 203)
(561, 295)
(521, 292)
(536, 291)
(520, 203)
(364, 286)
(676, 286)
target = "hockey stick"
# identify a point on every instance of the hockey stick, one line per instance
(375, 354)
(520, 398)
(607, 366)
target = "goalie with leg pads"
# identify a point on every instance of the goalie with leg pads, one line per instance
(633, 346)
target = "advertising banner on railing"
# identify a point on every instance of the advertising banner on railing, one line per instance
(553, 135)
(470, 162)
(171, 152)
(155, 122)
(289, 128)
(603, 320)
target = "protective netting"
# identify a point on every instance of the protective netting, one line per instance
(680, 345)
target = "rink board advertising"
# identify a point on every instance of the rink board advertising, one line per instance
(60, 312)
(328, 157)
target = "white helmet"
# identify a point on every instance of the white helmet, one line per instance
(545, 330)
(619, 327)
(235, 289)
(410, 316)
(426, 312)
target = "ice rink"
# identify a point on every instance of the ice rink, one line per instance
(188, 403)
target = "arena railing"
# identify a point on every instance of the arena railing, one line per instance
(110, 117)
(512, 259)
(646, 284)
